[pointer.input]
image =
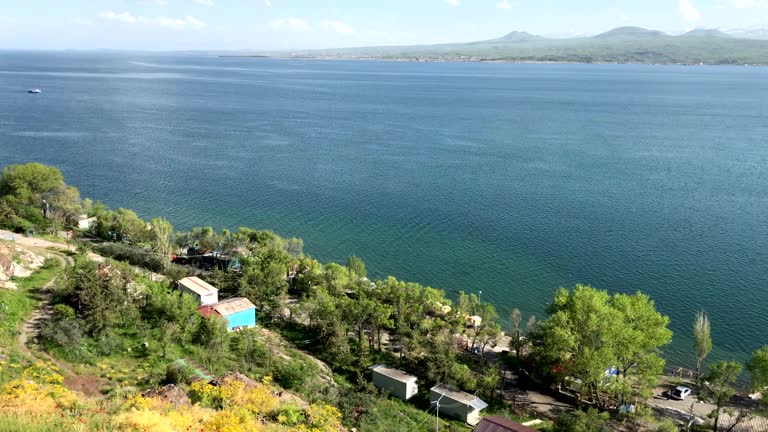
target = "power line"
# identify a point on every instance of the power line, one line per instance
(426, 419)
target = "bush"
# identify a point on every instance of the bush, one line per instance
(62, 312)
(290, 415)
(177, 374)
(292, 375)
(581, 421)
(132, 255)
(65, 334)
(109, 344)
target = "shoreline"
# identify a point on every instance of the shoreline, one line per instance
(478, 60)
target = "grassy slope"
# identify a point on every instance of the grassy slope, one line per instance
(16, 305)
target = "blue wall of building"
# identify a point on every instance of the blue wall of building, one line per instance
(246, 318)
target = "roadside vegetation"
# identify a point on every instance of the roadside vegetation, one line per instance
(321, 326)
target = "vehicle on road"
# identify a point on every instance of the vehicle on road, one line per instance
(679, 393)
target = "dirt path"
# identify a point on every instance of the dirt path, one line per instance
(28, 331)
(38, 243)
(30, 327)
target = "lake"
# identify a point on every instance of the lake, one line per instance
(510, 179)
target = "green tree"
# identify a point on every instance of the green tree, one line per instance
(722, 376)
(213, 335)
(102, 294)
(702, 340)
(581, 421)
(519, 334)
(160, 232)
(758, 369)
(25, 190)
(263, 280)
(356, 267)
(588, 331)
(130, 227)
(169, 334)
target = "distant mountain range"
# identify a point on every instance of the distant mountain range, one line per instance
(620, 45)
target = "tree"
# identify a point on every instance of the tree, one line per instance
(35, 195)
(356, 267)
(758, 369)
(161, 231)
(130, 227)
(702, 340)
(721, 377)
(518, 333)
(588, 332)
(581, 421)
(169, 333)
(101, 295)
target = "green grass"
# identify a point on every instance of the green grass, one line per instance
(13, 422)
(16, 305)
(395, 415)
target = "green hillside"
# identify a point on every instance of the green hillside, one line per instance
(621, 45)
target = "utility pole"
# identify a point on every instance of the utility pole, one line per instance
(437, 417)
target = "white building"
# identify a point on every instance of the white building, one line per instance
(202, 291)
(454, 403)
(396, 382)
(85, 223)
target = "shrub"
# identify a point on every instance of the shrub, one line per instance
(291, 375)
(132, 255)
(66, 335)
(290, 415)
(177, 373)
(63, 312)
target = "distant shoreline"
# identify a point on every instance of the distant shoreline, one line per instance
(476, 60)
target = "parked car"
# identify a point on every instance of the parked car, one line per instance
(679, 393)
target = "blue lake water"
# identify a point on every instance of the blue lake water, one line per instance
(508, 179)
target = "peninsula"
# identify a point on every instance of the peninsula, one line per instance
(620, 45)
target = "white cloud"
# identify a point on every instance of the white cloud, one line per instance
(688, 11)
(268, 3)
(503, 4)
(205, 2)
(452, 2)
(291, 23)
(188, 22)
(125, 17)
(339, 27)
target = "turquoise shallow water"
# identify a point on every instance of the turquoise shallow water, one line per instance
(510, 179)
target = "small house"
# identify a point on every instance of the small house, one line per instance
(454, 403)
(474, 321)
(500, 424)
(239, 312)
(396, 382)
(85, 223)
(202, 291)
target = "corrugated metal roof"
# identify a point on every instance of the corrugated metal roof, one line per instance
(459, 396)
(478, 404)
(393, 373)
(206, 311)
(500, 424)
(197, 285)
(232, 306)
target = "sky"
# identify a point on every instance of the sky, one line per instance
(159, 25)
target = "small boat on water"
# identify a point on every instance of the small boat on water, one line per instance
(34, 91)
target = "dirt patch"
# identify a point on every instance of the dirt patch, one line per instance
(89, 385)
(234, 377)
(169, 394)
